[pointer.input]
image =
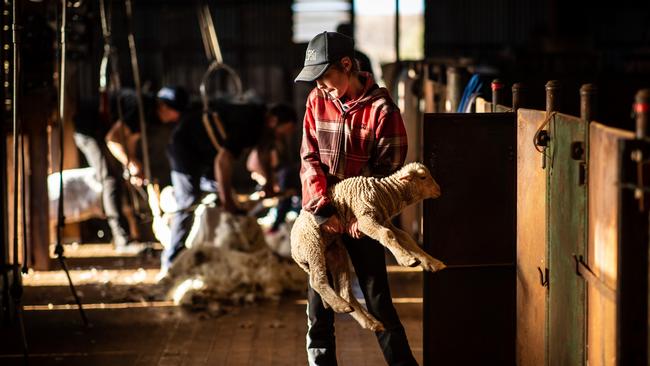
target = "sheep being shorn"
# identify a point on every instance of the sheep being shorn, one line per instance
(373, 202)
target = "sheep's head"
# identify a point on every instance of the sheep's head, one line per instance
(420, 180)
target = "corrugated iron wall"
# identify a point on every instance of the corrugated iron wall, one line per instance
(484, 23)
(255, 39)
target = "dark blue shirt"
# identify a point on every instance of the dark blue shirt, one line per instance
(191, 151)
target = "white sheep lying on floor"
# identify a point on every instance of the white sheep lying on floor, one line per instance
(373, 202)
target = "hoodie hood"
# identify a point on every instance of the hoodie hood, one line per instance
(371, 92)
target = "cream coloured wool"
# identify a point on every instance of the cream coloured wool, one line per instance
(373, 202)
(82, 195)
(228, 258)
(232, 262)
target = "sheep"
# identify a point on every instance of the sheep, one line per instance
(373, 202)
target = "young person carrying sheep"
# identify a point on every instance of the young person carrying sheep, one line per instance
(373, 202)
(351, 128)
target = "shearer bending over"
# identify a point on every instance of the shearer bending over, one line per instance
(198, 155)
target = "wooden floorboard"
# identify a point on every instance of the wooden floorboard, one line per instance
(271, 333)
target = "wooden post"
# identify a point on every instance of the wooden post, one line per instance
(517, 96)
(588, 102)
(641, 106)
(35, 121)
(497, 94)
(553, 96)
(453, 92)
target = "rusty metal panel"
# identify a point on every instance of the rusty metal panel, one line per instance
(602, 244)
(531, 242)
(469, 308)
(567, 204)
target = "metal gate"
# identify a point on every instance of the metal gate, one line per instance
(469, 308)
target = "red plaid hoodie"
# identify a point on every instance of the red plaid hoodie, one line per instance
(362, 137)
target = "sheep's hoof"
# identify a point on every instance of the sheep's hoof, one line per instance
(346, 309)
(414, 262)
(433, 265)
(377, 327)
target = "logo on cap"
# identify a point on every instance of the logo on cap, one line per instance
(311, 55)
(166, 93)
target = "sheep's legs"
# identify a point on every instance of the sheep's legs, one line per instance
(387, 238)
(427, 262)
(337, 262)
(318, 281)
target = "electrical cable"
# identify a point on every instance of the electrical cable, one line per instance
(16, 285)
(59, 251)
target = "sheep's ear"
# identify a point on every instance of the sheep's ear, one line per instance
(422, 172)
(407, 175)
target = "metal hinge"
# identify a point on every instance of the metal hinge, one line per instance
(543, 276)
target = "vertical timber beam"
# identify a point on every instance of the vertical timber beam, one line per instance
(453, 91)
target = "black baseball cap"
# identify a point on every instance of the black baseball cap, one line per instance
(323, 50)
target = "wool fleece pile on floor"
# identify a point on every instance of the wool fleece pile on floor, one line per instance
(229, 261)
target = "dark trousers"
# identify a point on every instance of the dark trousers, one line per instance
(369, 263)
(288, 178)
(108, 173)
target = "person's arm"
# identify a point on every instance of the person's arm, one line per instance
(314, 181)
(121, 142)
(264, 157)
(391, 143)
(223, 172)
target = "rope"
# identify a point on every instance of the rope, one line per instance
(536, 137)
(548, 118)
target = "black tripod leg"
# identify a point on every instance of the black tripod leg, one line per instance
(17, 295)
(73, 290)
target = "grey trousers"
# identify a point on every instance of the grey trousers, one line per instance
(108, 173)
